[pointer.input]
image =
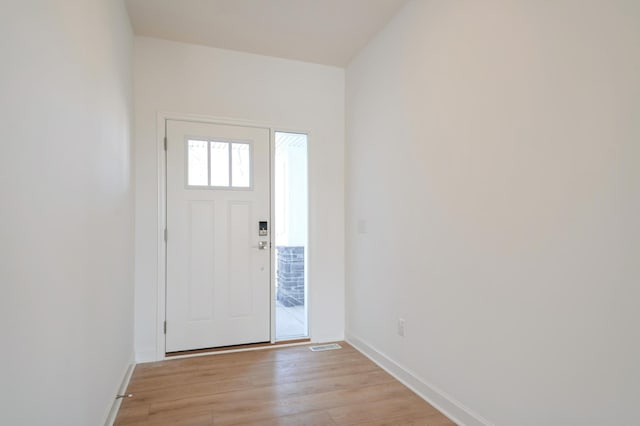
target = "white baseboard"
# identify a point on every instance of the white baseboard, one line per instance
(111, 417)
(445, 403)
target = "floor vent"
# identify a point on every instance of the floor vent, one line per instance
(331, 347)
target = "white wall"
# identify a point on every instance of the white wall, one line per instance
(193, 79)
(66, 218)
(493, 156)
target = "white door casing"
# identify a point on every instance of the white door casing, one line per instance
(218, 278)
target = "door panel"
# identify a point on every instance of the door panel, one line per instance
(218, 279)
(200, 277)
(239, 250)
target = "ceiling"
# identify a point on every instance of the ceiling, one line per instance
(327, 32)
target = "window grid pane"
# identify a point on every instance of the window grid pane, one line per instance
(219, 164)
(197, 163)
(240, 165)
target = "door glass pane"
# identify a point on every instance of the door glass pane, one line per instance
(197, 163)
(240, 165)
(291, 234)
(219, 164)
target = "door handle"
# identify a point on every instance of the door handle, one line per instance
(262, 245)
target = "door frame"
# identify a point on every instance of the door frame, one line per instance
(161, 309)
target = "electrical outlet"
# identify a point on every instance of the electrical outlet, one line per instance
(401, 327)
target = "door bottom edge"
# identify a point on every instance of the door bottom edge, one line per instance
(237, 348)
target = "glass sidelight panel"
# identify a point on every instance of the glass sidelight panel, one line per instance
(291, 217)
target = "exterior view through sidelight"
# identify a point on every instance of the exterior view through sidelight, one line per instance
(290, 237)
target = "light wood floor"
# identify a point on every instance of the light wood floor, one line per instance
(285, 386)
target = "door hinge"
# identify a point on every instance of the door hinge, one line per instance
(165, 327)
(165, 143)
(165, 235)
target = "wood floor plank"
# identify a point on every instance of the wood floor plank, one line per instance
(407, 405)
(131, 413)
(435, 419)
(282, 386)
(316, 418)
(229, 413)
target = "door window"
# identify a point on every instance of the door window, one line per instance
(216, 164)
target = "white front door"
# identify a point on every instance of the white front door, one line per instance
(218, 235)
